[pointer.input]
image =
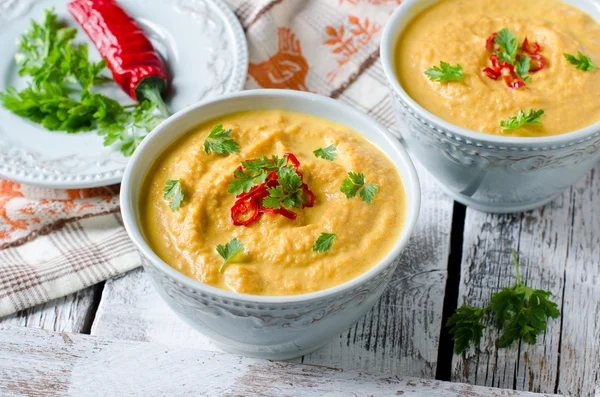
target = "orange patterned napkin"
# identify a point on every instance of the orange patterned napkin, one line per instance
(330, 47)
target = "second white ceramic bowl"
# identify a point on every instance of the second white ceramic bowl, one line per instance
(487, 172)
(265, 326)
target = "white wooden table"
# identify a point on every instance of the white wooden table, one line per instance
(457, 256)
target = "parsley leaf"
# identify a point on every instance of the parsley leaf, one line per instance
(264, 164)
(219, 141)
(288, 193)
(445, 72)
(289, 179)
(228, 251)
(173, 192)
(243, 182)
(368, 193)
(581, 62)
(275, 197)
(56, 67)
(327, 153)
(522, 66)
(258, 170)
(354, 183)
(323, 243)
(508, 44)
(522, 118)
(521, 313)
(466, 327)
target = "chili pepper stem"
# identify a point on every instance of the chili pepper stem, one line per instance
(152, 93)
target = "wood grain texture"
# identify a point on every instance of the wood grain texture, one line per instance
(131, 309)
(43, 363)
(400, 334)
(559, 247)
(72, 313)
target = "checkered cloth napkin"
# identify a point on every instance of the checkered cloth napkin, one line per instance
(55, 242)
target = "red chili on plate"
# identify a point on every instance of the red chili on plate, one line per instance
(135, 64)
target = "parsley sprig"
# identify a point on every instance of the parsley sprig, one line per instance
(174, 193)
(60, 94)
(520, 312)
(355, 183)
(532, 118)
(229, 251)
(581, 62)
(327, 153)
(508, 44)
(219, 141)
(522, 66)
(256, 171)
(288, 193)
(323, 243)
(445, 72)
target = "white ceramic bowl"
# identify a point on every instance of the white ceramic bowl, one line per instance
(487, 172)
(264, 326)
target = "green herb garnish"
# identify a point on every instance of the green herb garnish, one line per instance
(174, 193)
(219, 141)
(520, 312)
(508, 46)
(288, 193)
(256, 171)
(522, 66)
(445, 72)
(581, 62)
(355, 183)
(522, 118)
(323, 243)
(59, 95)
(228, 251)
(327, 153)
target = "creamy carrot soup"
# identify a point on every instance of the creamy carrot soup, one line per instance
(551, 78)
(290, 222)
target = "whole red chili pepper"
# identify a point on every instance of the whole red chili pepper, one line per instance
(135, 64)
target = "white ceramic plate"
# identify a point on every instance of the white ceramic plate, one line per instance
(205, 50)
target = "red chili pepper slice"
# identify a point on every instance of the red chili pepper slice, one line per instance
(135, 64)
(490, 42)
(538, 62)
(495, 62)
(292, 159)
(491, 73)
(279, 211)
(531, 48)
(310, 195)
(258, 191)
(241, 208)
(510, 77)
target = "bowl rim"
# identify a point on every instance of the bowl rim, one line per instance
(387, 54)
(409, 177)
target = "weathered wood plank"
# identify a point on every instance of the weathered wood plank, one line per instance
(42, 363)
(400, 335)
(559, 250)
(131, 309)
(579, 369)
(72, 313)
